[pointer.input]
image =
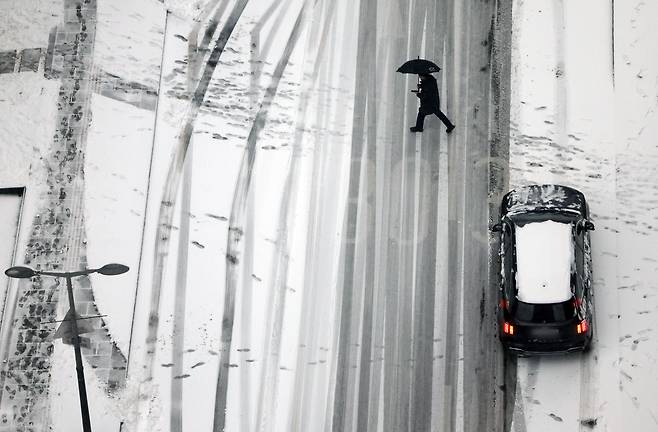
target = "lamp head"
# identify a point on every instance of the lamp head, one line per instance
(112, 269)
(20, 272)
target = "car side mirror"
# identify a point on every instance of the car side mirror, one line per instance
(497, 228)
(589, 226)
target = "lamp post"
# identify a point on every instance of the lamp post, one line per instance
(108, 270)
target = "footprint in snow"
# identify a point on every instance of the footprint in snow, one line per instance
(210, 215)
(554, 417)
(591, 422)
(197, 244)
(182, 376)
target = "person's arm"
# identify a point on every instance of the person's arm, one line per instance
(419, 90)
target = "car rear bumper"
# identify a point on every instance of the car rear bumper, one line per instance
(546, 348)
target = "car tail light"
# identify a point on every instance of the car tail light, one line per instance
(508, 328)
(582, 327)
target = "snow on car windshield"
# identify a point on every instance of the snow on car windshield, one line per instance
(544, 257)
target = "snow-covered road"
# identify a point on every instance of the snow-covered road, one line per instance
(344, 317)
(583, 115)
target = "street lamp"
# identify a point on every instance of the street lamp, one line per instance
(20, 272)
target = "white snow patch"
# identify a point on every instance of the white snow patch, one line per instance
(129, 38)
(28, 24)
(28, 110)
(116, 175)
(544, 253)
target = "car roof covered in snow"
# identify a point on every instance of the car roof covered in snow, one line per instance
(544, 259)
(543, 197)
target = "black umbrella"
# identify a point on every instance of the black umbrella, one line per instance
(418, 66)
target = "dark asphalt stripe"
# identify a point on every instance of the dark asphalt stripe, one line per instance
(343, 384)
(371, 203)
(426, 275)
(509, 394)
(481, 347)
(399, 27)
(504, 383)
(178, 330)
(407, 289)
(455, 206)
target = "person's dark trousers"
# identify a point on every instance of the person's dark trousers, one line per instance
(422, 112)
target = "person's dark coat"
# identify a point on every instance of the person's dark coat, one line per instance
(428, 92)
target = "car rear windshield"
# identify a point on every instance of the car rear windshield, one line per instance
(545, 313)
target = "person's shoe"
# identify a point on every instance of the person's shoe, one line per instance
(415, 129)
(450, 128)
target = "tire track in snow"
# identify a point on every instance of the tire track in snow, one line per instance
(409, 217)
(426, 249)
(391, 418)
(212, 23)
(553, 157)
(266, 415)
(276, 24)
(247, 264)
(342, 408)
(178, 332)
(236, 222)
(308, 335)
(390, 52)
(455, 207)
(345, 90)
(371, 218)
(165, 216)
(257, 53)
(282, 251)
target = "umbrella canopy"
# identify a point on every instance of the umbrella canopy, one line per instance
(418, 66)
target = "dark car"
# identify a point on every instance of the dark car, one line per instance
(545, 297)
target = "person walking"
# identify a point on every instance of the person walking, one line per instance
(428, 93)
